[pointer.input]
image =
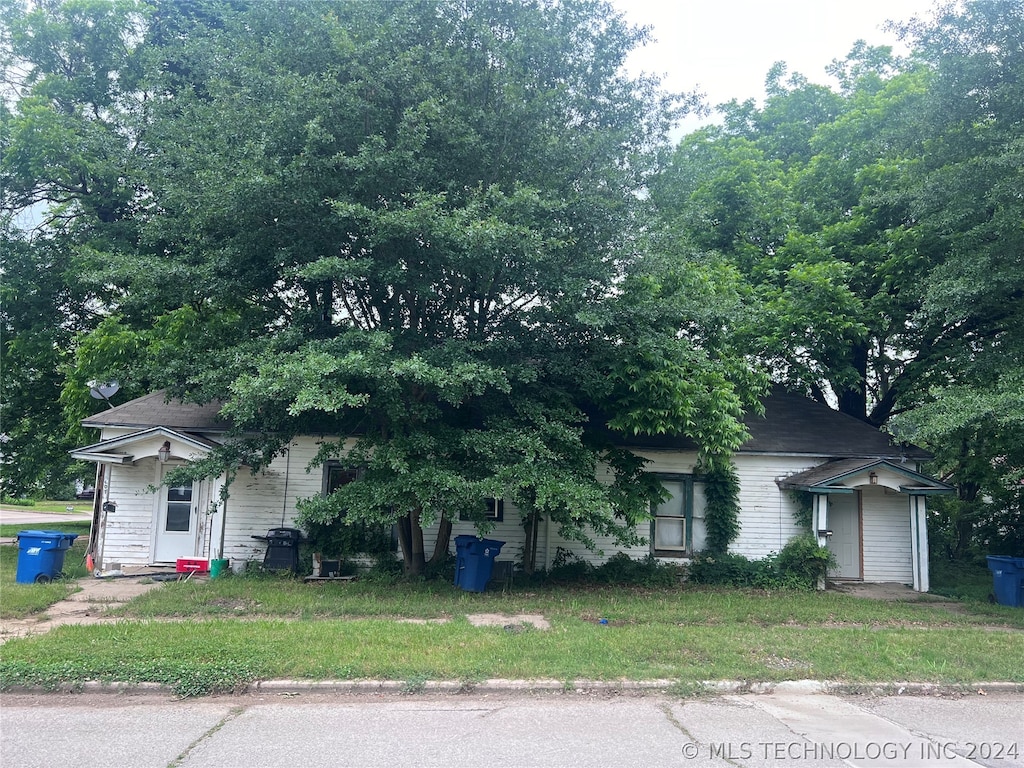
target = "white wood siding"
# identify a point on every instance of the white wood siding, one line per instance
(767, 519)
(257, 503)
(268, 499)
(887, 545)
(129, 530)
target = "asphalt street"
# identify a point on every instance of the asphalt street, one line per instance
(38, 520)
(550, 730)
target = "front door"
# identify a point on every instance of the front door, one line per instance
(844, 522)
(177, 533)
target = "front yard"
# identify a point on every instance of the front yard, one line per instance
(201, 636)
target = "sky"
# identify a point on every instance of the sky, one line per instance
(725, 47)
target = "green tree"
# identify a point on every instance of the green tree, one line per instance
(68, 140)
(40, 314)
(415, 226)
(968, 202)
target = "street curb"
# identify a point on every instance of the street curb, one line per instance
(550, 686)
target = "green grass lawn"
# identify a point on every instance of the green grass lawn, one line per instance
(20, 600)
(56, 507)
(228, 631)
(201, 636)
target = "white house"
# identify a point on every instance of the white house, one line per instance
(868, 495)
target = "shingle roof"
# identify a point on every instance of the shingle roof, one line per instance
(155, 410)
(795, 425)
(833, 472)
(792, 424)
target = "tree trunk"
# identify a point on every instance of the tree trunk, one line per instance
(853, 401)
(530, 550)
(444, 535)
(410, 537)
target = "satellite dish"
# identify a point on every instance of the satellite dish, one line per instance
(103, 390)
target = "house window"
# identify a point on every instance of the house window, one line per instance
(336, 476)
(672, 519)
(495, 511)
(179, 508)
(365, 536)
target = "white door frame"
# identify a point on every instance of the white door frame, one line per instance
(844, 520)
(179, 542)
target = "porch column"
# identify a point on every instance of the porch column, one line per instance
(819, 517)
(919, 542)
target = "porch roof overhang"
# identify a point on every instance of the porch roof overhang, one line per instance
(842, 477)
(126, 449)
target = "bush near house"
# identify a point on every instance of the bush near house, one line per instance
(800, 565)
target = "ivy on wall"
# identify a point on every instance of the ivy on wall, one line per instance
(722, 509)
(804, 512)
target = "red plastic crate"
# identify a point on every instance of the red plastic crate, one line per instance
(191, 565)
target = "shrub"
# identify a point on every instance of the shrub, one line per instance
(620, 568)
(802, 562)
(734, 570)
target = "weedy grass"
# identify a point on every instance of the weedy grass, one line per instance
(221, 655)
(227, 632)
(20, 600)
(704, 606)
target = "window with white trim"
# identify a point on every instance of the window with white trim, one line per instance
(672, 519)
(494, 509)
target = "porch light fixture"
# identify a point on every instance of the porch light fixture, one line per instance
(165, 452)
(873, 478)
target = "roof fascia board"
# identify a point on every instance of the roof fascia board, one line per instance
(134, 437)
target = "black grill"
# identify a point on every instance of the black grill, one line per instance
(282, 549)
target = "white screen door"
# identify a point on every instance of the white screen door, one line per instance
(176, 534)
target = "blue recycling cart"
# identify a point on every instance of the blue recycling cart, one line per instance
(41, 555)
(474, 562)
(1007, 579)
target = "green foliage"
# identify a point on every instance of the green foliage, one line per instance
(347, 539)
(619, 569)
(409, 225)
(804, 512)
(722, 510)
(802, 560)
(800, 565)
(185, 679)
(734, 570)
(19, 502)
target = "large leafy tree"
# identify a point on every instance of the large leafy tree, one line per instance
(66, 195)
(807, 197)
(970, 208)
(416, 227)
(877, 226)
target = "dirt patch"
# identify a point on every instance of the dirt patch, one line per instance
(534, 620)
(87, 606)
(890, 591)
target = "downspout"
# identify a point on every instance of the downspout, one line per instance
(97, 508)
(287, 473)
(547, 543)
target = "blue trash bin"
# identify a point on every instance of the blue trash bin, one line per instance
(41, 555)
(1007, 579)
(474, 561)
